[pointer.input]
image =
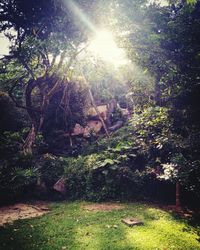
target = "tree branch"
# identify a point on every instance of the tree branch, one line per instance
(26, 67)
(10, 93)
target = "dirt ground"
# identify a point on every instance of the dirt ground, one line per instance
(8, 214)
(103, 207)
(183, 212)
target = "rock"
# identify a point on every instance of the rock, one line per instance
(125, 113)
(112, 105)
(93, 126)
(60, 186)
(132, 222)
(78, 129)
(103, 111)
(116, 126)
(41, 186)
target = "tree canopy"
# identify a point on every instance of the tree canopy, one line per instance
(138, 58)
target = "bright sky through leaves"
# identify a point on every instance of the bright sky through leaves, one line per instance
(4, 45)
(104, 47)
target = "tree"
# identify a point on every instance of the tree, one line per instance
(42, 53)
(171, 53)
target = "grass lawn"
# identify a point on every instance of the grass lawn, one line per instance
(69, 226)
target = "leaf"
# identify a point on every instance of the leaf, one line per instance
(107, 161)
(113, 167)
(132, 155)
(123, 156)
(105, 172)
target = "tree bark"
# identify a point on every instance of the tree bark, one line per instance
(178, 204)
(98, 113)
(30, 139)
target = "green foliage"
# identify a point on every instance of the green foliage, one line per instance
(10, 143)
(12, 119)
(101, 177)
(161, 140)
(65, 109)
(191, 2)
(18, 172)
(18, 175)
(49, 169)
(151, 120)
(116, 116)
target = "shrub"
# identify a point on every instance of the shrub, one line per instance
(97, 177)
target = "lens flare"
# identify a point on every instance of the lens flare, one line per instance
(104, 46)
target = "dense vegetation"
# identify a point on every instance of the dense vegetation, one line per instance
(50, 79)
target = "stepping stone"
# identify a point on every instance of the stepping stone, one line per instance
(132, 222)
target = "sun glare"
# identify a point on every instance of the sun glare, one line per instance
(104, 47)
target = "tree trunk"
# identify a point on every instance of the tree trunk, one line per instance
(112, 106)
(178, 204)
(98, 113)
(30, 139)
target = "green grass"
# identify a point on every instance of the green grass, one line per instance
(69, 226)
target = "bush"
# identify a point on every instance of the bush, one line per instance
(97, 177)
(12, 119)
(17, 178)
(18, 172)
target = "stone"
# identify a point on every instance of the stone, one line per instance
(93, 126)
(116, 126)
(103, 111)
(78, 129)
(41, 187)
(132, 222)
(60, 186)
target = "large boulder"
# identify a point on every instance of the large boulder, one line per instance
(60, 186)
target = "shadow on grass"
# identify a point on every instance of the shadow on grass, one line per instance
(69, 226)
(103, 230)
(160, 231)
(49, 232)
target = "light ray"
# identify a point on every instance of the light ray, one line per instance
(104, 46)
(76, 10)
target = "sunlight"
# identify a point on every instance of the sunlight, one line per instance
(104, 47)
(103, 44)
